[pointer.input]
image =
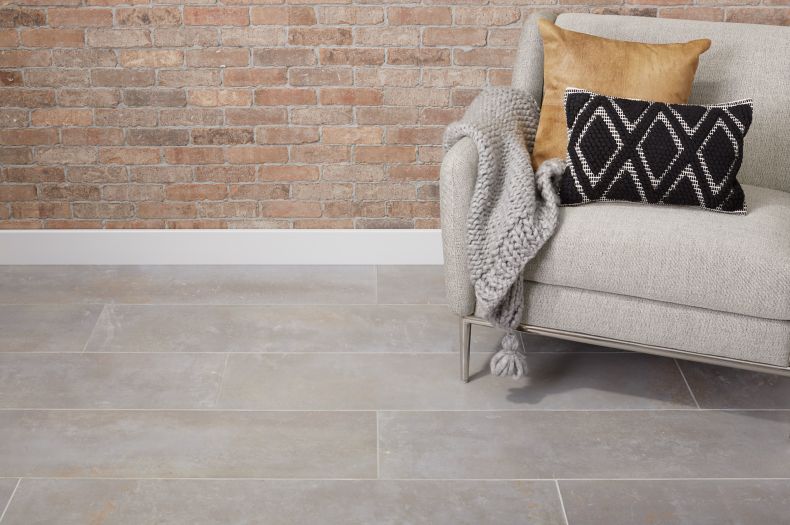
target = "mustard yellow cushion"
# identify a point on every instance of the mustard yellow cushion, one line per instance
(654, 72)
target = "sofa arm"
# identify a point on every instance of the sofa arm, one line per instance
(456, 183)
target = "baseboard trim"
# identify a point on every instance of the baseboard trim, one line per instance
(127, 247)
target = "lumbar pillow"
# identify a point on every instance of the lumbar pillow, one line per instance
(631, 150)
(661, 72)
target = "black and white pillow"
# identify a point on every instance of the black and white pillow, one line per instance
(631, 150)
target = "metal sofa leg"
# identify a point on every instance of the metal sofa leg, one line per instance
(466, 346)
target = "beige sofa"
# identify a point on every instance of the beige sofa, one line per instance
(667, 280)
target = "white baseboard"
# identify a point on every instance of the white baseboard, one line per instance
(220, 247)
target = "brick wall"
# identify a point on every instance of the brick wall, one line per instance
(232, 115)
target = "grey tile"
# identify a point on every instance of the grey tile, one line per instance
(701, 502)
(46, 328)
(188, 284)
(134, 328)
(411, 285)
(586, 444)
(7, 486)
(109, 380)
(128, 443)
(430, 382)
(281, 502)
(723, 387)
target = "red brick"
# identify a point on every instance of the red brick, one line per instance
(194, 155)
(319, 153)
(414, 172)
(259, 191)
(40, 210)
(216, 16)
(213, 224)
(486, 16)
(17, 192)
(115, 38)
(228, 209)
(52, 37)
(254, 116)
(189, 36)
(24, 58)
(154, 97)
(288, 173)
(148, 16)
(352, 135)
(385, 191)
(92, 136)
(135, 224)
(320, 76)
(410, 210)
(16, 155)
(222, 136)
(387, 115)
(354, 172)
(83, 58)
(129, 155)
(407, 16)
(352, 56)
(283, 57)
(103, 210)
(8, 38)
(132, 192)
(415, 135)
(12, 16)
(254, 77)
(257, 154)
(28, 137)
(484, 57)
(286, 135)
(252, 36)
(390, 36)
(125, 117)
(441, 36)
(189, 77)
(166, 210)
(324, 224)
(321, 115)
(418, 57)
(61, 192)
(225, 173)
(13, 118)
(290, 209)
(314, 36)
(165, 174)
(196, 192)
(385, 154)
(157, 137)
(96, 174)
(35, 174)
(152, 58)
(10, 78)
(322, 191)
(190, 117)
(61, 117)
(284, 96)
(79, 17)
(220, 97)
(122, 78)
(59, 78)
(344, 15)
(759, 15)
(416, 97)
(351, 96)
(217, 57)
(282, 16)
(440, 116)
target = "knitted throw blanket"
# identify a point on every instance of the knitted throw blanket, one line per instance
(513, 210)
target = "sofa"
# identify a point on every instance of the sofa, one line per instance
(666, 280)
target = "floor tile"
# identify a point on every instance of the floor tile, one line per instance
(197, 444)
(724, 387)
(411, 285)
(431, 382)
(7, 486)
(701, 502)
(188, 284)
(585, 444)
(46, 328)
(284, 502)
(162, 381)
(133, 328)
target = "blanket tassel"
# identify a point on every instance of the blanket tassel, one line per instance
(511, 359)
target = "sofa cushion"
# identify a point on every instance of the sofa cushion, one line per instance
(730, 263)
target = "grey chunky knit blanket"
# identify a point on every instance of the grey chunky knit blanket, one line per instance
(513, 210)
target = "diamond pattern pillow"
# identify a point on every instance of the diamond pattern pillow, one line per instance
(632, 150)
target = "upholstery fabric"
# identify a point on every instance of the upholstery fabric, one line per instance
(744, 61)
(456, 184)
(662, 73)
(732, 263)
(660, 324)
(622, 149)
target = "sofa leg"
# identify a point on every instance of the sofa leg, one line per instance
(466, 346)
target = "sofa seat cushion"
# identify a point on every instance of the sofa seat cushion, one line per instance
(730, 263)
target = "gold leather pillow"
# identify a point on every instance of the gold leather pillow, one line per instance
(653, 72)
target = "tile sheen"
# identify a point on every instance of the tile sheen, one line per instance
(284, 502)
(188, 444)
(570, 444)
(701, 502)
(46, 328)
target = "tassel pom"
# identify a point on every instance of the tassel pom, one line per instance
(510, 360)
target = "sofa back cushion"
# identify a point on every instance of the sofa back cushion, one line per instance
(744, 61)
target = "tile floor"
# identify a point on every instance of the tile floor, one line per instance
(330, 395)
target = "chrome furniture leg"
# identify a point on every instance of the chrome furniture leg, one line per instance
(466, 347)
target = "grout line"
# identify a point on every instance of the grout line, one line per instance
(376, 286)
(93, 330)
(221, 381)
(562, 503)
(268, 305)
(378, 452)
(680, 369)
(306, 352)
(404, 410)
(477, 480)
(8, 504)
